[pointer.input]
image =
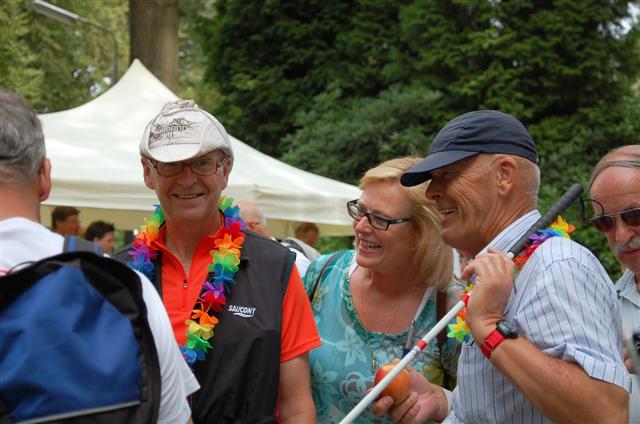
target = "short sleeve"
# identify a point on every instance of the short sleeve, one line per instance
(177, 380)
(574, 315)
(299, 333)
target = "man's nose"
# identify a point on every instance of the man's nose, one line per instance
(186, 174)
(623, 233)
(433, 191)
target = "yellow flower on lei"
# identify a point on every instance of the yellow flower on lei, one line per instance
(562, 227)
(458, 330)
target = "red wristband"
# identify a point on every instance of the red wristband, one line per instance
(492, 341)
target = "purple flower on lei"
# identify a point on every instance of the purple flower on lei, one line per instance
(142, 260)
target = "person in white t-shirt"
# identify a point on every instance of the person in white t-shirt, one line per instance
(25, 181)
(253, 217)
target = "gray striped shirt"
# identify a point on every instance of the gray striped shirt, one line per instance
(565, 304)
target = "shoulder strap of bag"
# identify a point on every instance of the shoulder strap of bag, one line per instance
(292, 243)
(317, 282)
(441, 305)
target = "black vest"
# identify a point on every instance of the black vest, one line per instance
(240, 375)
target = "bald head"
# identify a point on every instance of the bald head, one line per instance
(625, 156)
(252, 216)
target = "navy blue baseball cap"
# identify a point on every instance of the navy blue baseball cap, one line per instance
(480, 131)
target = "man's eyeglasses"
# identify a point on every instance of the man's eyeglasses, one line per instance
(606, 222)
(376, 221)
(202, 166)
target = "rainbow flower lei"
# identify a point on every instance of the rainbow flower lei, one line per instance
(560, 228)
(224, 265)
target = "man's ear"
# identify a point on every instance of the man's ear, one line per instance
(44, 180)
(226, 171)
(506, 170)
(146, 173)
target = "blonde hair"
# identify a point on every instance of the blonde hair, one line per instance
(431, 256)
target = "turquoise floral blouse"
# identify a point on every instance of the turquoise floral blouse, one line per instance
(341, 367)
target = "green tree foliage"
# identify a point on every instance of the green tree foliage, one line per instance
(18, 69)
(335, 87)
(338, 137)
(56, 66)
(270, 59)
(192, 61)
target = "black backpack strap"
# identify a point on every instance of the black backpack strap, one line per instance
(5, 413)
(317, 282)
(76, 244)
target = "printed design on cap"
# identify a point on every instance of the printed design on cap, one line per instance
(173, 133)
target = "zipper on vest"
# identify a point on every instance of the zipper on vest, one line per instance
(185, 284)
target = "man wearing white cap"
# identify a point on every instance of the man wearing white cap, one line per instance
(236, 303)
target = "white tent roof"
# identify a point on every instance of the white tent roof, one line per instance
(96, 165)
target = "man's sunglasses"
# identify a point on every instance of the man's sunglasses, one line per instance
(607, 222)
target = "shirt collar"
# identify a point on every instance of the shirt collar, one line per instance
(208, 241)
(513, 232)
(626, 287)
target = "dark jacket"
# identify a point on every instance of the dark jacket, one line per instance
(239, 377)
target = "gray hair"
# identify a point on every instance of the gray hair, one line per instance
(530, 173)
(21, 139)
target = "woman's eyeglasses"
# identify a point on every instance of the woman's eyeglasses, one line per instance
(376, 221)
(606, 222)
(202, 166)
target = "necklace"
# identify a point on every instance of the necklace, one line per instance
(374, 361)
(225, 259)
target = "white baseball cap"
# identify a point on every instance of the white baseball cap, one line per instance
(182, 131)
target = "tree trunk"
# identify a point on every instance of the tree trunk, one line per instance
(153, 26)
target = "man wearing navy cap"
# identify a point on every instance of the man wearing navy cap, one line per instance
(545, 341)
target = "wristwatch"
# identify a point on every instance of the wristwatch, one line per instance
(503, 331)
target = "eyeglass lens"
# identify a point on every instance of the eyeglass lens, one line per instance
(203, 166)
(606, 223)
(377, 222)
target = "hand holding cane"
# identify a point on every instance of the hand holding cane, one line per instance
(560, 205)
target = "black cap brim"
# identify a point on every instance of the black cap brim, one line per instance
(421, 172)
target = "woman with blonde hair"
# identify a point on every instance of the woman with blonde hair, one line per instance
(369, 301)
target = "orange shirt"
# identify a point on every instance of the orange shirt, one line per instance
(180, 293)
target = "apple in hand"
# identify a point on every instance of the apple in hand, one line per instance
(399, 387)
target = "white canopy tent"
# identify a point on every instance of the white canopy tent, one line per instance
(96, 166)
